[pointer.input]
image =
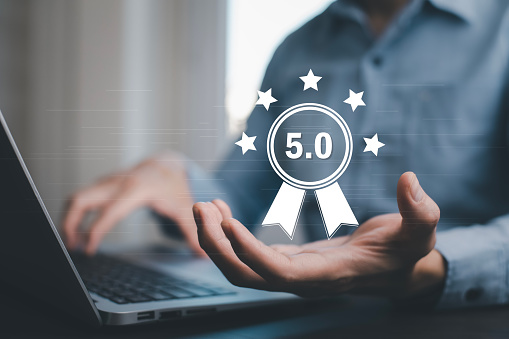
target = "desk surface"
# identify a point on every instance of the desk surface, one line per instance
(347, 317)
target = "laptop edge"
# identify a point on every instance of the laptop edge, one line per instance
(27, 245)
(35, 259)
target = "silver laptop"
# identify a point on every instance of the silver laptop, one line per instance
(102, 290)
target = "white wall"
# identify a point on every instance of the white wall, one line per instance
(108, 83)
(255, 30)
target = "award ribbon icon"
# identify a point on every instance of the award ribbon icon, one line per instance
(287, 204)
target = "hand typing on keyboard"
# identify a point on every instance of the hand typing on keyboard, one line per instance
(159, 183)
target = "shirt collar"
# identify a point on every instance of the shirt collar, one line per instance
(464, 9)
(347, 9)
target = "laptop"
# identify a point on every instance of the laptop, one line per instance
(102, 290)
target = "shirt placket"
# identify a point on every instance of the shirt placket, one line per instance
(386, 114)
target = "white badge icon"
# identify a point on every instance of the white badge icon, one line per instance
(334, 207)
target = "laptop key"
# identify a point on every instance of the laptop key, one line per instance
(178, 293)
(157, 295)
(119, 300)
(92, 287)
(138, 298)
(121, 291)
(196, 290)
(106, 294)
(123, 282)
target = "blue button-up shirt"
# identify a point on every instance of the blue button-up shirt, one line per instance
(435, 88)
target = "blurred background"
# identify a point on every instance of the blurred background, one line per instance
(89, 87)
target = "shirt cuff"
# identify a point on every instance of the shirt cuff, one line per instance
(476, 269)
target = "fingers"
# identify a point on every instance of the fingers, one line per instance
(245, 261)
(182, 215)
(187, 227)
(81, 203)
(162, 188)
(415, 206)
(122, 204)
(272, 265)
(223, 208)
(189, 230)
(213, 240)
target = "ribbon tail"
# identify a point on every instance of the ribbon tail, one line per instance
(285, 209)
(334, 208)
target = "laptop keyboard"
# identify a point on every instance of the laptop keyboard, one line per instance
(124, 283)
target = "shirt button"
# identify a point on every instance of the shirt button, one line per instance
(378, 61)
(473, 294)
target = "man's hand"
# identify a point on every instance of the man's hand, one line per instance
(159, 183)
(389, 255)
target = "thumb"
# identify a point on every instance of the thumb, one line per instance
(418, 210)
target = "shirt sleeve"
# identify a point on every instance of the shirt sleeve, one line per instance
(477, 259)
(477, 264)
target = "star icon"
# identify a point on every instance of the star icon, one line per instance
(265, 99)
(372, 144)
(247, 143)
(310, 81)
(355, 100)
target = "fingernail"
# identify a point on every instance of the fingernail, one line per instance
(196, 215)
(416, 190)
(227, 228)
(196, 206)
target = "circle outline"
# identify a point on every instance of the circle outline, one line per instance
(317, 183)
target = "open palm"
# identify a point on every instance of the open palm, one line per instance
(380, 257)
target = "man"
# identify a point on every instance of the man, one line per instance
(435, 76)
